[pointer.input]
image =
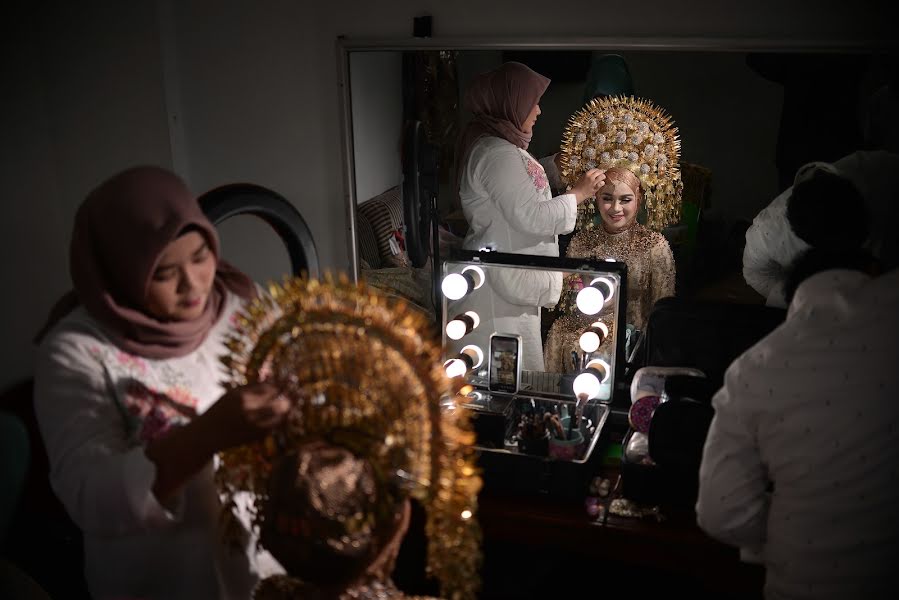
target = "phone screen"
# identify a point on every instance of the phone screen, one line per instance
(504, 359)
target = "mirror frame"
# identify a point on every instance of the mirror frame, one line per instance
(634, 44)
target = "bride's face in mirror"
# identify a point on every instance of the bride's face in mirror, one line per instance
(618, 205)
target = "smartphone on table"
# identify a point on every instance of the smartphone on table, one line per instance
(504, 372)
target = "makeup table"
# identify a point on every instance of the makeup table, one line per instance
(673, 554)
(544, 546)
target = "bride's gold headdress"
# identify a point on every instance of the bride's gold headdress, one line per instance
(631, 133)
(367, 368)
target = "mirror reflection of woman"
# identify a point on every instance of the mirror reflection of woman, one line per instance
(648, 147)
(507, 202)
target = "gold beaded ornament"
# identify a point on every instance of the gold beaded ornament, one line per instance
(628, 132)
(368, 366)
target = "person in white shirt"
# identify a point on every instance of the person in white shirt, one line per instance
(772, 244)
(507, 202)
(129, 400)
(800, 468)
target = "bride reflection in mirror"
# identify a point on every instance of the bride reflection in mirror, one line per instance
(638, 146)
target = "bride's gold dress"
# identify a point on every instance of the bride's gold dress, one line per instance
(650, 276)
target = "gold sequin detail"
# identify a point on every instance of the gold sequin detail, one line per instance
(352, 359)
(630, 133)
(282, 587)
(650, 276)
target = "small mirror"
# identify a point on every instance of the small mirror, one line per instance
(536, 388)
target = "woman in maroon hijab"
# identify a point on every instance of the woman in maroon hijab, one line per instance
(507, 202)
(128, 397)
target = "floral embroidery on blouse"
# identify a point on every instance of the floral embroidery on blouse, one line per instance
(537, 174)
(152, 398)
(154, 413)
(131, 362)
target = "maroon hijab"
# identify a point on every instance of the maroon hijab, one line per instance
(500, 100)
(121, 230)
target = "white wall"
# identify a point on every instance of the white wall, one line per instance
(377, 108)
(84, 97)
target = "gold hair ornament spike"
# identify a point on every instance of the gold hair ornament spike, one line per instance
(632, 133)
(365, 366)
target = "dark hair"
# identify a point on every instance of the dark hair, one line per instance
(814, 207)
(816, 260)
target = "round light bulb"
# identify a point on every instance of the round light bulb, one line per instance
(589, 341)
(474, 317)
(601, 366)
(589, 300)
(455, 367)
(454, 286)
(586, 383)
(609, 289)
(455, 329)
(477, 273)
(476, 354)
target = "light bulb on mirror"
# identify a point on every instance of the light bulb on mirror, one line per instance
(600, 368)
(593, 297)
(462, 325)
(477, 356)
(456, 285)
(455, 367)
(476, 273)
(470, 357)
(589, 300)
(589, 382)
(606, 285)
(586, 384)
(593, 337)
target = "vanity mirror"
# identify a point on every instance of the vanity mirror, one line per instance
(493, 336)
(748, 114)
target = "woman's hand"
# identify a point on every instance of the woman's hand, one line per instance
(588, 185)
(241, 416)
(244, 415)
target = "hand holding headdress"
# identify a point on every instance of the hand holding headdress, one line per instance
(364, 374)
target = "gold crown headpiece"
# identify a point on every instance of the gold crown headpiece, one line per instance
(628, 132)
(353, 359)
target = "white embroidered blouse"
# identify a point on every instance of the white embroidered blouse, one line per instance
(98, 407)
(507, 202)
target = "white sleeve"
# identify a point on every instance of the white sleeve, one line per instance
(771, 246)
(732, 505)
(526, 287)
(104, 482)
(515, 195)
